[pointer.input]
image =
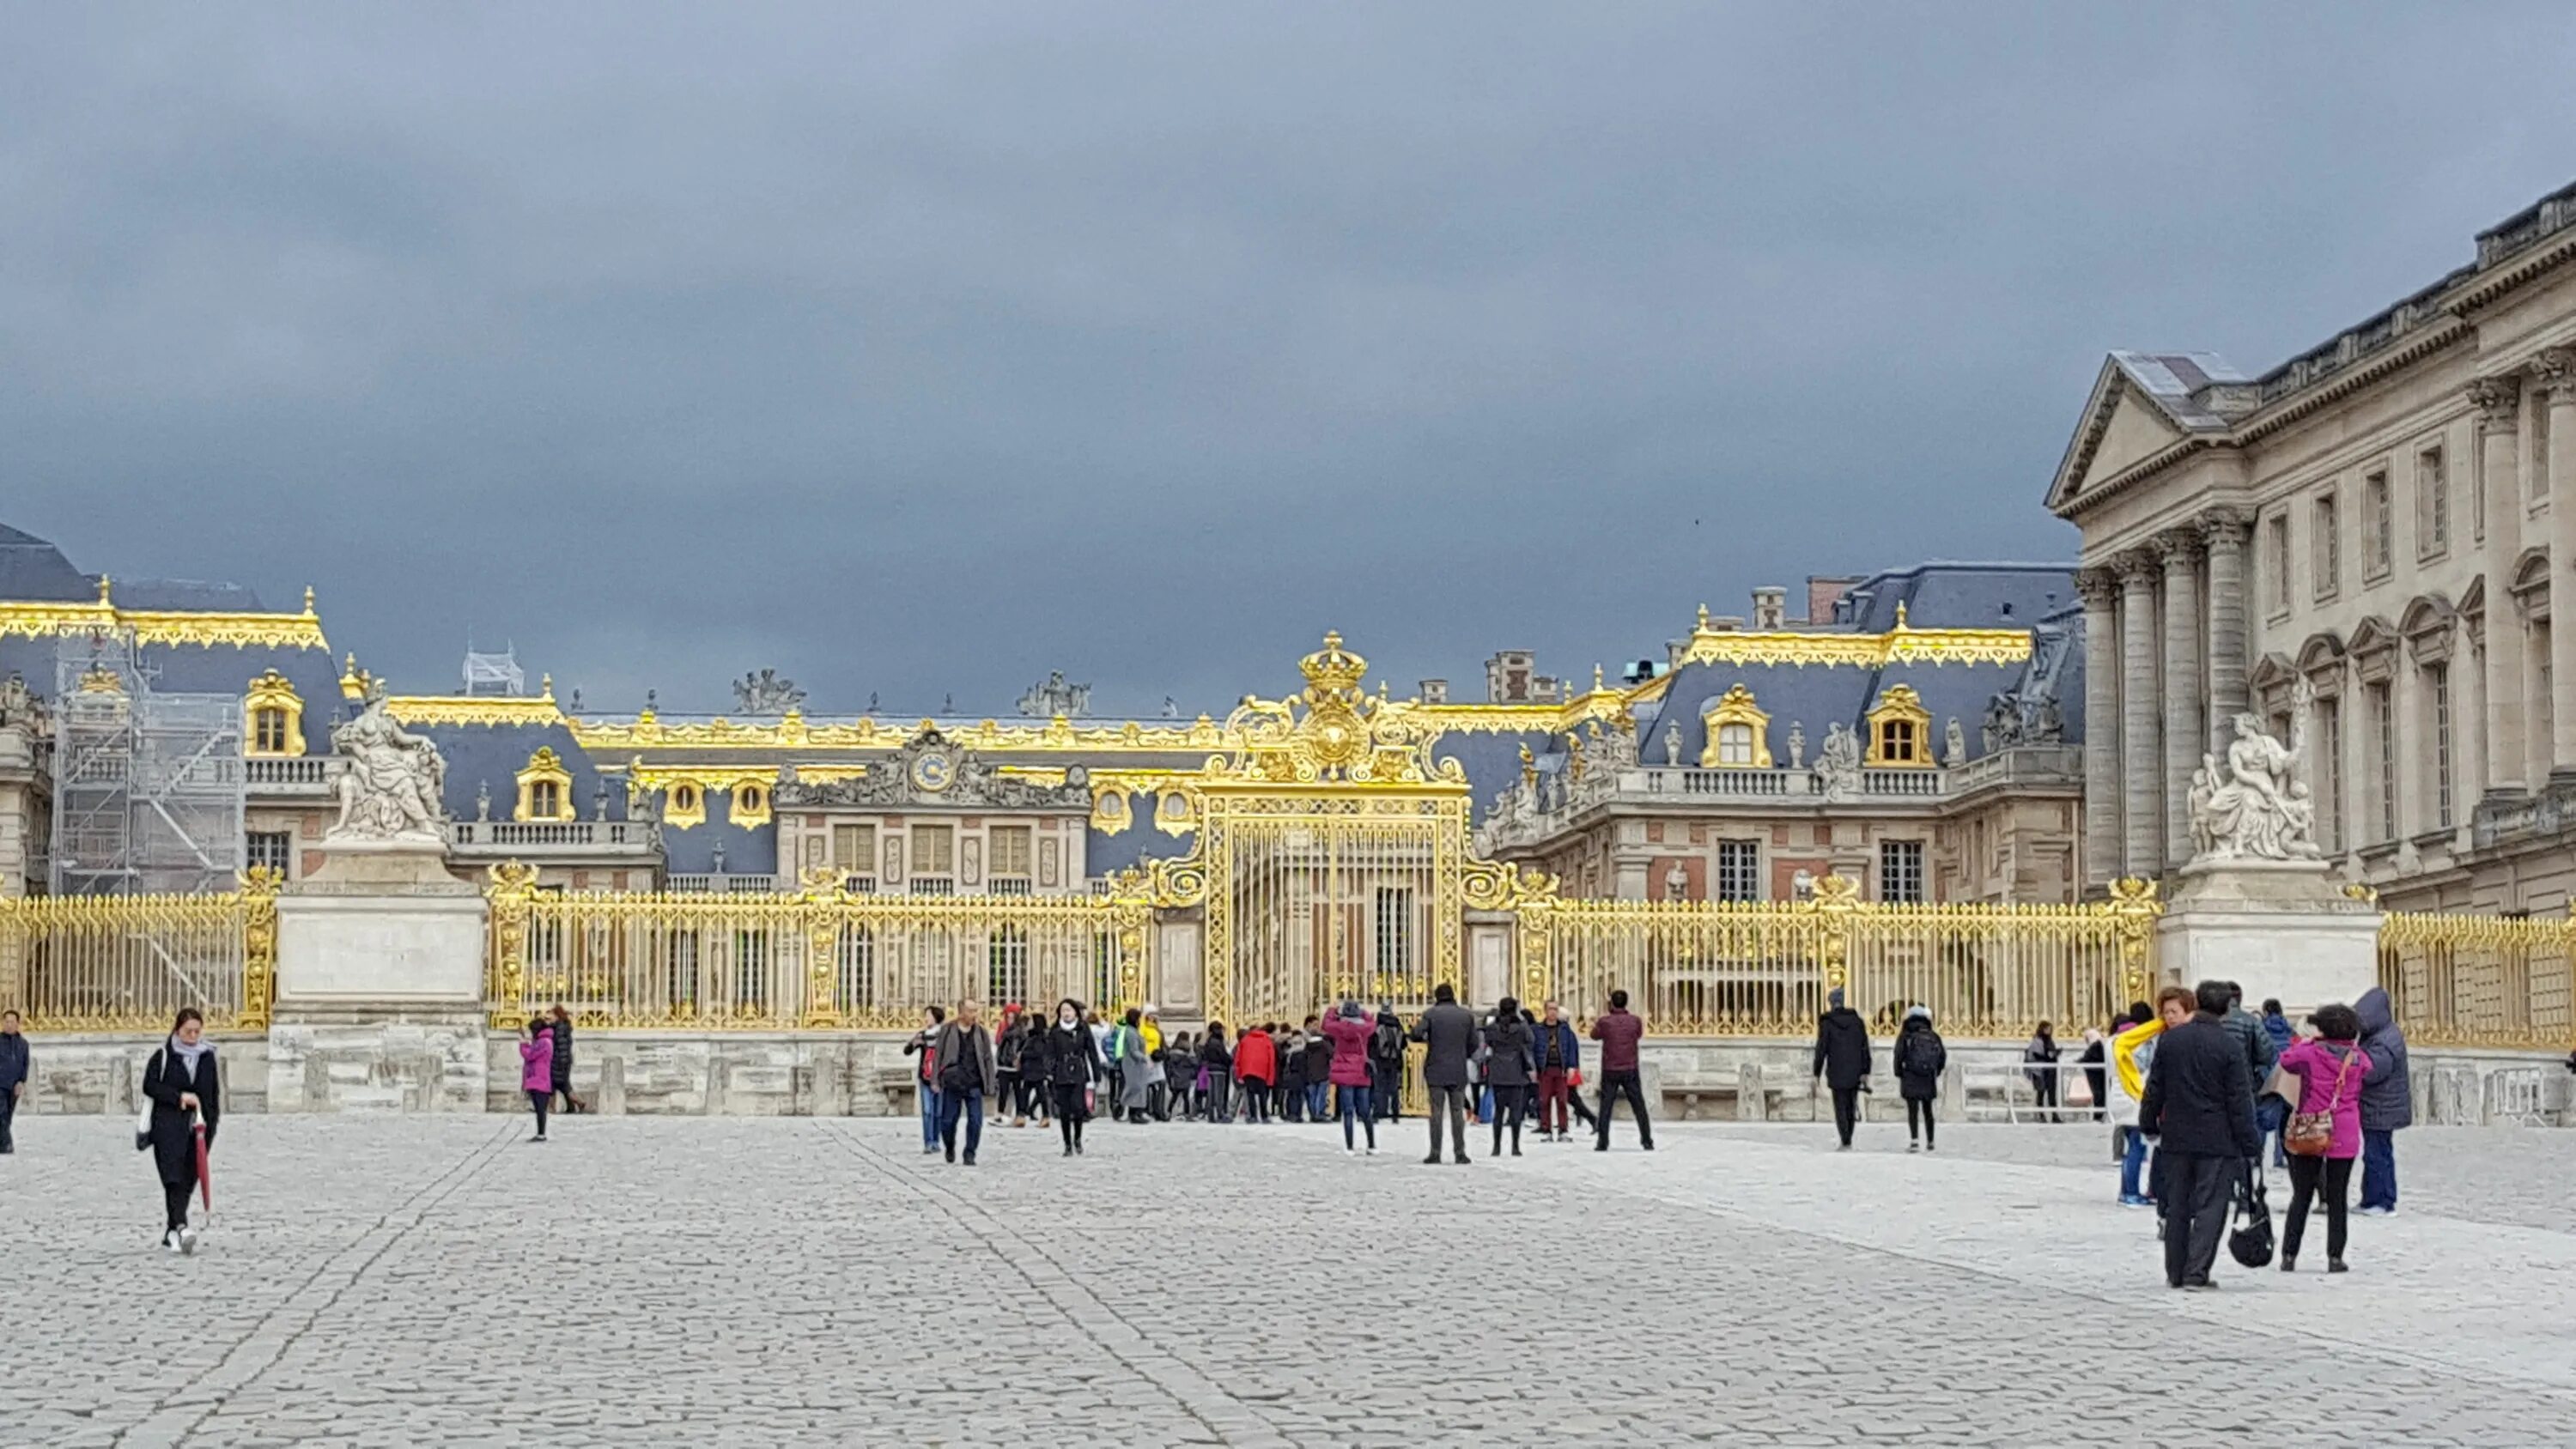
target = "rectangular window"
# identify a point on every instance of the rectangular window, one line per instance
(1394, 931)
(2432, 503)
(545, 800)
(2383, 734)
(854, 849)
(2325, 549)
(2377, 523)
(271, 848)
(1739, 870)
(1010, 850)
(1735, 744)
(2329, 766)
(2437, 690)
(270, 732)
(2276, 556)
(934, 849)
(1900, 872)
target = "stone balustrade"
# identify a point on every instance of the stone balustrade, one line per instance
(536, 839)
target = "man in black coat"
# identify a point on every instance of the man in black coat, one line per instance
(1842, 1059)
(2199, 1104)
(1448, 1034)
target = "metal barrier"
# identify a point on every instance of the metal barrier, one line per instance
(1764, 968)
(2482, 981)
(823, 958)
(129, 963)
(2013, 1097)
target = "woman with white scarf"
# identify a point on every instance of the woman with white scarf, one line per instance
(183, 1084)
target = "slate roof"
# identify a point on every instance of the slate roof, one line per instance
(31, 568)
(495, 754)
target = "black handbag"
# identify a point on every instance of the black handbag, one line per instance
(2250, 1243)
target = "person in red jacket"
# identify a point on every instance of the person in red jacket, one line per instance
(1350, 1031)
(1618, 1032)
(1256, 1066)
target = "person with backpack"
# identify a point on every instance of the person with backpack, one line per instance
(925, 1080)
(1386, 1064)
(1920, 1059)
(1316, 1073)
(2199, 1104)
(1842, 1060)
(1216, 1064)
(2325, 1134)
(1007, 1046)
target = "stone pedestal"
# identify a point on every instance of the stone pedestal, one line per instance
(2277, 928)
(379, 984)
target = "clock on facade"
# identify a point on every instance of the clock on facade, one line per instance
(933, 771)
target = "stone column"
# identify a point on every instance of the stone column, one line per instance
(2102, 857)
(2180, 552)
(2555, 373)
(2499, 402)
(2225, 532)
(2141, 755)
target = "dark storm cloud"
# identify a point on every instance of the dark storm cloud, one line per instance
(921, 350)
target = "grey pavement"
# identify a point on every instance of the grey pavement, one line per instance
(799, 1281)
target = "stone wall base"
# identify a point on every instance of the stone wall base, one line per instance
(96, 1073)
(721, 1074)
(382, 1059)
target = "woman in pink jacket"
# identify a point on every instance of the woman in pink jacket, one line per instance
(537, 1070)
(1349, 1029)
(2330, 1069)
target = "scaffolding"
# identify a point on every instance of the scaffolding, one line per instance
(147, 785)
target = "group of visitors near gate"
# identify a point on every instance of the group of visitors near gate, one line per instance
(1503, 1069)
(2202, 1090)
(1842, 1062)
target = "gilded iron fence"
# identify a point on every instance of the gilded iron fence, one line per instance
(129, 963)
(2480, 981)
(823, 958)
(1763, 968)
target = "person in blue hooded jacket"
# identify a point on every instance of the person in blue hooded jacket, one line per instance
(2387, 1101)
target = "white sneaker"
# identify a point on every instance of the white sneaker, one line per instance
(1372, 1149)
(187, 1240)
(1349, 1151)
(170, 1240)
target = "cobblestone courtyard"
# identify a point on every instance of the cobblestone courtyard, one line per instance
(433, 1280)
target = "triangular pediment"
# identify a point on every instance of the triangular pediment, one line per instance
(2142, 405)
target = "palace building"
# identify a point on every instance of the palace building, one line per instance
(1919, 736)
(2358, 549)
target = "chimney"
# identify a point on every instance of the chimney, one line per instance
(1770, 607)
(1434, 691)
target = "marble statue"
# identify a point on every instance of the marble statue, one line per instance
(1676, 883)
(1056, 697)
(1838, 764)
(767, 693)
(391, 789)
(1797, 745)
(1673, 742)
(1954, 745)
(2251, 805)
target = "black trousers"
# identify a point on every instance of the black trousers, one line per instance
(1846, 1112)
(1629, 1087)
(1220, 1097)
(174, 1205)
(2045, 1088)
(2197, 1217)
(1386, 1083)
(2307, 1174)
(1511, 1106)
(1918, 1118)
(8, 1109)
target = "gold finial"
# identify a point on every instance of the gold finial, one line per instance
(545, 686)
(1703, 618)
(1900, 613)
(308, 601)
(1596, 678)
(102, 591)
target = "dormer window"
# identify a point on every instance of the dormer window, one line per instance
(1735, 745)
(1738, 733)
(1900, 730)
(272, 717)
(545, 788)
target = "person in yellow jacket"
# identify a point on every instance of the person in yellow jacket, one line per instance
(1158, 1091)
(2132, 1050)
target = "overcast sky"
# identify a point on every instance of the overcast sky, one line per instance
(920, 351)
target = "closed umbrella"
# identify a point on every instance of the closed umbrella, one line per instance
(205, 1179)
